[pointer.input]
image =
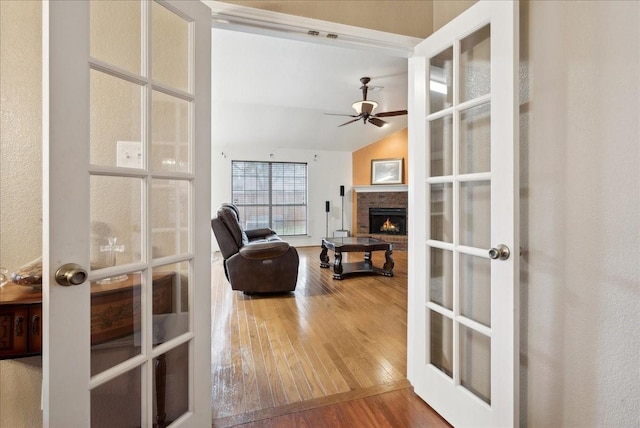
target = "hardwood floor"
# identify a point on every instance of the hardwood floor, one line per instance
(333, 353)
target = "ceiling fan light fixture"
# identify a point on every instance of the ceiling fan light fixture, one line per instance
(364, 106)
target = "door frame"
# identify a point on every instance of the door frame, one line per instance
(244, 19)
(266, 23)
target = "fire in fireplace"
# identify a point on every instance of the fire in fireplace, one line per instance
(390, 221)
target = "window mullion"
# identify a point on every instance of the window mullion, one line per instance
(271, 195)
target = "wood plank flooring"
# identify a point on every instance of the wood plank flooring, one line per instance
(333, 353)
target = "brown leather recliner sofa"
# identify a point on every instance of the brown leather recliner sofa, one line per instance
(255, 260)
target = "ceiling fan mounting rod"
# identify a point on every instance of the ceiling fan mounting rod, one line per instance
(364, 81)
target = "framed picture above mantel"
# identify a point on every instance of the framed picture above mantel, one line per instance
(387, 171)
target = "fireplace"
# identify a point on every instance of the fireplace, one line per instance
(388, 221)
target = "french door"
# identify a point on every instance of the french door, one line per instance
(464, 249)
(126, 239)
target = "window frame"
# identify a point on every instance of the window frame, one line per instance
(296, 226)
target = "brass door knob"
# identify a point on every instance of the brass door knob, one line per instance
(71, 274)
(501, 252)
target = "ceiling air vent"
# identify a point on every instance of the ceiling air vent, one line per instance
(332, 36)
(313, 33)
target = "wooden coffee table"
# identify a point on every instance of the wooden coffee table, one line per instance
(352, 244)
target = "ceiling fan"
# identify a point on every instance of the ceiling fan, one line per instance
(364, 109)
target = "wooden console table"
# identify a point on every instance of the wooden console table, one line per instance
(352, 244)
(113, 315)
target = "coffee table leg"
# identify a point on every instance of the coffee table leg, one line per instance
(389, 264)
(324, 258)
(367, 257)
(337, 266)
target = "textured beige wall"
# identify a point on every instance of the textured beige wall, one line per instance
(20, 186)
(580, 213)
(445, 10)
(20, 133)
(407, 17)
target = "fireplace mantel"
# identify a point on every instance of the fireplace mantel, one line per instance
(381, 188)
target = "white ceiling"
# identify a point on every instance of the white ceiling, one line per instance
(274, 92)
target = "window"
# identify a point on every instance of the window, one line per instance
(271, 194)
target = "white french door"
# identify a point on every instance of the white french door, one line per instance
(126, 195)
(464, 248)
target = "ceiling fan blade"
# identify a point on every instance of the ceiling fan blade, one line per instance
(391, 113)
(346, 115)
(377, 122)
(351, 121)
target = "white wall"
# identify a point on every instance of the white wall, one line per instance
(327, 171)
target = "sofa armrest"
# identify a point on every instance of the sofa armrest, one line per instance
(259, 233)
(265, 250)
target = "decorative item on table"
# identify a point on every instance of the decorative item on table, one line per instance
(29, 274)
(4, 278)
(112, 249)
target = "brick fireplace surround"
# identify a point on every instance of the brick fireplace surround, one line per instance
(366, 200)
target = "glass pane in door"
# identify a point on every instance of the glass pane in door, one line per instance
(116, 33)
(441, 279)
(116, 121)
(117, 403)
(441, 81)
(171, 379)
(441, 131)
(170, 301)
(475, 288)
(475, 214)
(442, 212)
(475, 64)
(475, 363)
(441, 345)
(116, 221)
(169, 133)
(169, 217)
(475, 139)
(115, 320)
(170, 48)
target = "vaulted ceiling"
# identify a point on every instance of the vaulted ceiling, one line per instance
(274, 92)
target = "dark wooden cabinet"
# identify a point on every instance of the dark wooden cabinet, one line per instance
(13, 331)
(35, 329)
(114, 313)
(20, 321)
